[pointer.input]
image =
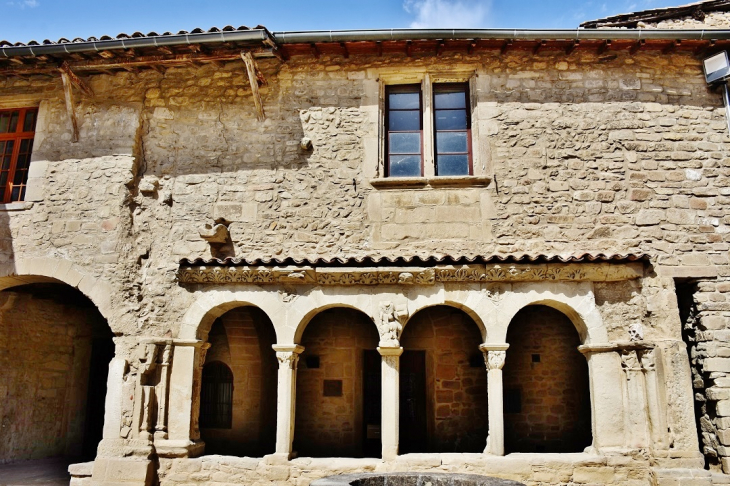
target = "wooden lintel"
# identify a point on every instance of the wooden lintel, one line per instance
(253, 80)
(505, 46)
(572, 47)
(538, 47)
(70, 106)
(75, 80)
(345, 52)
(604, 47)
(637, 47)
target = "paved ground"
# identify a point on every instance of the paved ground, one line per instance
(41, 472)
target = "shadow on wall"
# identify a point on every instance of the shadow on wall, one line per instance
(443, 383)
(546, 392)
(55, 349)
(238, 392)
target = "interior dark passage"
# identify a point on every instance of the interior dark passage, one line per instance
(443, 384)
(55, 349)
(547, 404)
(338, 387)
(238, 389)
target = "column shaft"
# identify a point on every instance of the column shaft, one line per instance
(288, 357)
(390, 401)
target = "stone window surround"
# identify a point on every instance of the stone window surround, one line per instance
(375, 156)
(491, 305)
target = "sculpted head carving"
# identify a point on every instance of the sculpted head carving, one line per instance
(390, 323)
(636, 332)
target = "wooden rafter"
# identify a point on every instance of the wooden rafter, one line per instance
(70, 105)
(345, 52)
(75, 80)
(505, 46)
(572, 47)
(540, 45)
(253, 79)
(637, 47)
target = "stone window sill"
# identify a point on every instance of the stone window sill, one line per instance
(421, 182)
(16, 206)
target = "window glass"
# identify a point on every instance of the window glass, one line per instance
(451, 124)
(449, 100)
(452, 165)
(405, 143)
(16, 142)
(405, 165)
(404, 122)
(404, 101)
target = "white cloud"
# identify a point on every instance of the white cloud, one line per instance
(24, 3)
(454, 14)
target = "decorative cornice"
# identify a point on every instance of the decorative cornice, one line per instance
(493, 272)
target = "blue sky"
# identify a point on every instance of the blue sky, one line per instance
(24, 20)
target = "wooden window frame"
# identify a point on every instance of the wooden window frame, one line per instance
(453, 88)
(17, 137)
(402, 88)
(429, 129)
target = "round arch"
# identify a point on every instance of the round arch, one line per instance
(58, 270)
(576, 301)
(456, 305)
(212, 304)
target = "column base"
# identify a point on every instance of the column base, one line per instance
(279, 458)
(179, 448)
(123, 471)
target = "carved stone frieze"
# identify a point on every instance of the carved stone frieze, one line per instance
(516, 272)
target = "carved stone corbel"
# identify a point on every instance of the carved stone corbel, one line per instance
(391, 319)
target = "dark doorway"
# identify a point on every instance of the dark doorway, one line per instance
(372, 393)
(413, 422)
(102, 352)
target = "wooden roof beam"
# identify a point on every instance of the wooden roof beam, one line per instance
(604, 47)
(254, 76)
(440, 48)
(505, 46)
(345, 52)
(572, 47)
(472, 46)
(75, 80)
(672, 46)
(315, 50)
(70, 105)
(540, 45)
(379, 45)
(409, 48)
(637, 47)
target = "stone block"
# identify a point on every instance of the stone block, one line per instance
(649, 217)
(723, 408)
(593, 475)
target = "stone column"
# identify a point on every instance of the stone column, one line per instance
(494, 356)
(654, 397)
(288, 356)
(607, 407)
(390, 401)
(635, 408)
(183, 401)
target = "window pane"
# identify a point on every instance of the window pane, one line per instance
(20, 177)
(3, 179)
(16, 194)
(29, 123)
(4, 122)
(23, 162)
(447, 165)
(404, 143)
(404, 120)
(7, 154)
(13, 121)
(449, 100)
(405, 166)
(404, 101)
(451, 120)
(450, 142)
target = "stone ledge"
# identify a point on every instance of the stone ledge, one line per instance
(423, 182)
(82, 469)
(16, 206)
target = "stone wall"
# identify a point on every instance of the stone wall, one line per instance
(46, 337)
(242, 339)
(332, 424)
(552, 410)
(456, 380)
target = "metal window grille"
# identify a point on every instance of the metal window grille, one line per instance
(216, 396)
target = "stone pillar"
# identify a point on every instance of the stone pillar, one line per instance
(655, 399)
(607, 407)
(183, 401)
(288, 356)
(494, 356)
(390, 401)
(635, 409)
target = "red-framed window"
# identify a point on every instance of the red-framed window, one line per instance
(404, 119)
(17, 129)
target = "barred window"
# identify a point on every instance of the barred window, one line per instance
(216, 396)
(17, 129)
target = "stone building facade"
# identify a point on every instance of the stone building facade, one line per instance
(209, 219)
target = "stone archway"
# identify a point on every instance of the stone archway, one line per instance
(547, 404)
(443, 383)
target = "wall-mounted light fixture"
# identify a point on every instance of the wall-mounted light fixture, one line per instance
(717, 70)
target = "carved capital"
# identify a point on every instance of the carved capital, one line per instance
(495, 359)
(648, 359)
(629, 360)
(390, 321)
(288, 356)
